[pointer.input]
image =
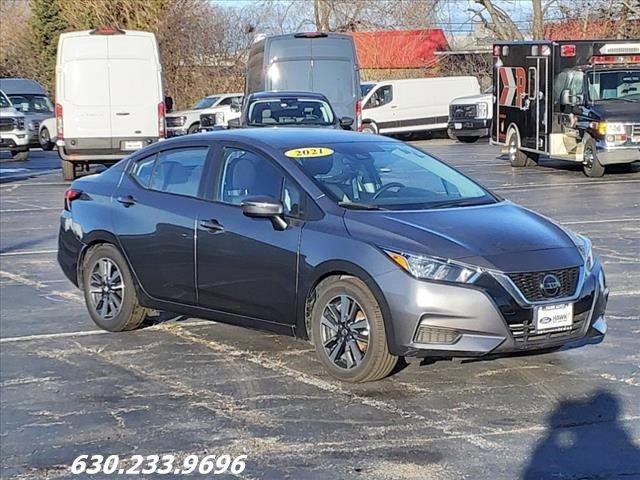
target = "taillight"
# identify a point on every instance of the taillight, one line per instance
(59, 124)
(359, 116)
(69, 196)
(161, 125)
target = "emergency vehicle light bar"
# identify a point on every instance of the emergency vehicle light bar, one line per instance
(614, 59)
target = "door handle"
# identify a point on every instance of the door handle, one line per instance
(122, 113)
(393, 106)
(212, 225)
(126, 200)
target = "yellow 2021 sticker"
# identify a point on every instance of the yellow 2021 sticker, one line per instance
(309, 152)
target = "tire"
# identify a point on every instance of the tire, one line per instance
(370, 127)
(468, 139)
(19, 156)
(517, 157)
(45, 139)
(195, 128)
(68, 170)
(365, 335)
(109, 290)
(591, 165)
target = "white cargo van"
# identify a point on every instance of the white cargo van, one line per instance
(412, 105)
(109, 96)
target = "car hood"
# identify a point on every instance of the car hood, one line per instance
(501, 236)
(482, 97)
(617, 111)
(10, 112)
(37, 116)
(181, 113)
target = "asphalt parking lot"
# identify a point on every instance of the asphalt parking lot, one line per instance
(195, 387)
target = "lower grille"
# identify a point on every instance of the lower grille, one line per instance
(524, 334)
(529, 283)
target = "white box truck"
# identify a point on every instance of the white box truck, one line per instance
(109, 96)
(413, 105)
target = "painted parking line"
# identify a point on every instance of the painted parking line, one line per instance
(27, 210)
(28, 252)
(613, 220)
(526, 186)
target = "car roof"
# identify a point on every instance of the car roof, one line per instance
(283, 137)
(287, 94)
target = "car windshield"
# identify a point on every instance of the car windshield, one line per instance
(278, 112)
(621, 85)
(386, 175)
(206, 102)
(32, 103)
(4, 101)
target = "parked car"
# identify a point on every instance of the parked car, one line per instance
(312, 62)
(413, 105)
(470, 117)
(109, 96)
(369, 247)
(289, 109)
(14, 136)
(185, 122)
(217, 116)
(48, 133)
(30, 98)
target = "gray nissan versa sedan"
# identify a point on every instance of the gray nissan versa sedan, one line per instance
(367, 246)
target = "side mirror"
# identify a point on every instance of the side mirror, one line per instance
(566, 98)
(346, 122)
(265, 207)
(234, 123)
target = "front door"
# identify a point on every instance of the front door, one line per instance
(244, 265)
(156, 206)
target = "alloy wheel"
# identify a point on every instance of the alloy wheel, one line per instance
(345, 332)
(588, 158)
(513, 149)
(106, 287)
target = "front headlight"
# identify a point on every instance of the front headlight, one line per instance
(483, 110)
(219, 118)
(429, 268)
(20, 124)
(583, 244)
(33, 125)
(607, 128)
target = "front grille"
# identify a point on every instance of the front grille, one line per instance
(525, 334)
(463, 112)
(174, 121)
(208, 120)
(634, 132)
(7, 124)
(529, 283)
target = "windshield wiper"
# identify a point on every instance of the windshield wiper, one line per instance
(359, 206)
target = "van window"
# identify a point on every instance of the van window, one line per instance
(290, 75)
(334, 79)
(179, 171)
(381, 96)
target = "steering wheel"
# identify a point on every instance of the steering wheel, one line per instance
(386, 187)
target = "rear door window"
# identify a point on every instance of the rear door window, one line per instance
(290, 75)
(179, 171)
(334, 79)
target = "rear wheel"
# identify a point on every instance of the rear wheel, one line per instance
(45, 139)
(468, 139)
(19, 156)
(591, 165)
(370, 127)
(109, 290)
(517, 157)
(68, 170)
(348, 331)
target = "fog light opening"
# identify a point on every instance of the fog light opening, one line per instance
(427, 334)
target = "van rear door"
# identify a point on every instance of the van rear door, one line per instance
(134, 87)
(84, 80)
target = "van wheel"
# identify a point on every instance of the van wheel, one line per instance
(591, 165)
(19, 156)
(109, 291)
(370, 127)
(45, 139)
(195, 128)
(348, 331)
(517, 157)
(68, 170)
(468, 139)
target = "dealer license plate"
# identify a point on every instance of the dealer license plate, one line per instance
(457, 126)
(553, 317)
(132, 145)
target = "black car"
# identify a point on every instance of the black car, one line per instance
(367, 246)
(289, 109)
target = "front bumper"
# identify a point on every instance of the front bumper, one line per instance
(469, 127)
(608, 155)
(480, 319)
(14, 141)
(176, 131)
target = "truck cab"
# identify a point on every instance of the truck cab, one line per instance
(470, 116)
(572, 100)
(14, 136)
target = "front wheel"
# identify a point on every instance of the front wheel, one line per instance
(195, 128)
(369, 127)
(109, 291)
(468, 139)
(45, 140)
(591, 164)
(19, 156)
(348, 331)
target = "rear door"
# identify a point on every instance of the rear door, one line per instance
(83, 87)
(134, 87)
